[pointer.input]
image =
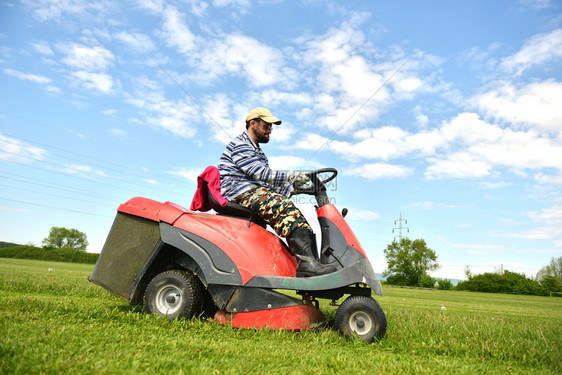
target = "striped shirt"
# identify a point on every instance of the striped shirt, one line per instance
(243, 165)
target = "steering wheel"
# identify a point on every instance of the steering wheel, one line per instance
(314, 176)
(317, 183)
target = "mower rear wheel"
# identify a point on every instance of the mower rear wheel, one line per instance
(174, 295)
(361, 316)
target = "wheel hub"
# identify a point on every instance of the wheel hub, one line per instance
(361, 322)
(168, 299)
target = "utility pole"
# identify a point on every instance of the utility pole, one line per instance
(400, 227)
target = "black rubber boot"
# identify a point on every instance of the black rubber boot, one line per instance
(300, 242)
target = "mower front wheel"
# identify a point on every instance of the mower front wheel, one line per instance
(361, 316)
(174, 295)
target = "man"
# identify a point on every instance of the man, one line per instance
(246, 179)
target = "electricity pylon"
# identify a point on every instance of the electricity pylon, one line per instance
(400, 228)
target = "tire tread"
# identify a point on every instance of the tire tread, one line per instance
(354, 303)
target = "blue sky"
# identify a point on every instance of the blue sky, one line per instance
(448, 113)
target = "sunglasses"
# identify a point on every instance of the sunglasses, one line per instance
(265, 125)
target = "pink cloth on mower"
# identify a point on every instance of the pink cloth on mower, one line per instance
(209, 180)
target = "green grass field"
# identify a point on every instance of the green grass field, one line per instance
(57, 322)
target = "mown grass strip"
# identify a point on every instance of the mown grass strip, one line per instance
(56, 321)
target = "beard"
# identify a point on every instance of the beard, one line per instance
(263, 138)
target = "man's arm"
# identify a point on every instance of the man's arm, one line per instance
(249, 161)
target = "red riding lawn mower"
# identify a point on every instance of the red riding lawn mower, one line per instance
(184, 264)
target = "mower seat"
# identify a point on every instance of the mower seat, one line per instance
(236, 210)
(231, 208)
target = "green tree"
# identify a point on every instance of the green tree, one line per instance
(408, 261)
(551, 284)
(553, 269)
(427, 281)
(60, 237)
(444, 284)
(509, 282)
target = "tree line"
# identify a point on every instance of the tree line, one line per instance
(61, 245)
(409, 263)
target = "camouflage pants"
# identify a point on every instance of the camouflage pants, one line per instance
(275, 209)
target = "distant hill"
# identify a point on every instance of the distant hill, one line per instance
(454, 281)
(8, 244)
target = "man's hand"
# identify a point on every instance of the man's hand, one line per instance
(299, 180)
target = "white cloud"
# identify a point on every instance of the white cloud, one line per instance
(53, 89)
(43, 47)
(118, 133)
(290, 163)
(352, 82)
(477, 252)
(236, 55)
(13, 209)
(109, 112)
(552, 215)
(81, 57)
(360, 214)
(463, 225)
(311, 141)
(478, 246)
(548, 179)
(237, 3)
(422, 120)
(176, 32)
(539, 49)
(536, 4)
(55, 10)
(345, 80)
(531, 234)
(458, 165)
(224, 116)
(137, 41)
(154, 6)
(464, 147)
(477, 147)
(20, 152)
(95, 81)
(177, 117)
(426, 205)
(550, 219)
(84, 170)
(534, 105)
(199, 8)
(190, 174)
(381, 143)
(283, 133)
(375, 171)
(406, 86)
(27, 77)
(494, 185)
(272, 98)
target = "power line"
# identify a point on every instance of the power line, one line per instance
(191, 97)
(51, 185)
(53, 207)
(153, 156)
(122, 168)
(361, 106)
(57, 195)
(79, 176)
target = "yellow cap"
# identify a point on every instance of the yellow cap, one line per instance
(264, 114)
